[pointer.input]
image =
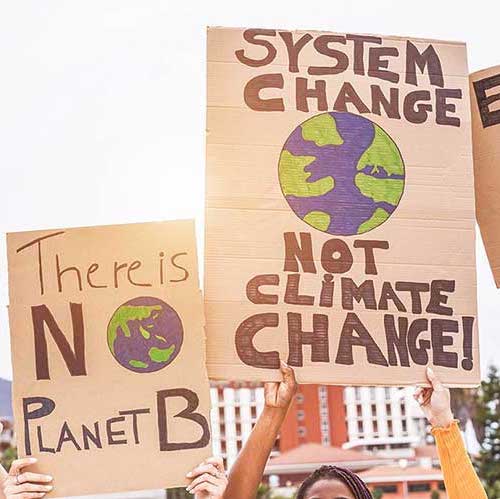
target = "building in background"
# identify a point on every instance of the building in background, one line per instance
(386, 421)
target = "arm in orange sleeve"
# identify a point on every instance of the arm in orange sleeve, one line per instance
(460, 478)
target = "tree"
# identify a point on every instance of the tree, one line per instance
(8, 456)
(464, 405)
(377, 493)
(488, 416)
(435, 494)
(178, 493)
(264, 491)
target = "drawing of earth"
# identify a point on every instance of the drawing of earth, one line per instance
(341, 173)
(145, 334)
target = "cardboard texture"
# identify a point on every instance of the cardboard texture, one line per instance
(485, 98)
(105, 324)
(339, 209)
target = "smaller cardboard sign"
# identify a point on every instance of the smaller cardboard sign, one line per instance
(485, 96)
(110, 388)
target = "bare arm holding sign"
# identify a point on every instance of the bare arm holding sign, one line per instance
(246, 473)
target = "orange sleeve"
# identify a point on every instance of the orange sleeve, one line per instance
(460, 478)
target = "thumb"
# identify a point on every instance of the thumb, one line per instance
(433, 379)
(288, 374)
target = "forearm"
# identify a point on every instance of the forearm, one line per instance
(246, 473)
(460, 478)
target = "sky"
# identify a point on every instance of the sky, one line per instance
(102, 107)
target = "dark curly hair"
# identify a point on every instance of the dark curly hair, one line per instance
(355, 484)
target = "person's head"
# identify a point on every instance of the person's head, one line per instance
(330, 482)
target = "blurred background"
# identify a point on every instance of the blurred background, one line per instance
(102, 120)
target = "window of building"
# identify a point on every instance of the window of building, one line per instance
(441, 486)
(387, 489)
(323, 393)
(299, 398)
(301, 415)
(388, 409)
(419, 487)
(360, 426)
(302, 431)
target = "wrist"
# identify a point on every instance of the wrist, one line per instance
(442, 420)
(274, 413)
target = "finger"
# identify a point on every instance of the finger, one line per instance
(27, 476)
(19, 464)
(31, 495)
(426, 395)
(206, 487)
(218, 462)
(288, 374)
(206, 477)
(418, 393)
(203, 468)
(27, 487)
(433, 379)
(423, 395)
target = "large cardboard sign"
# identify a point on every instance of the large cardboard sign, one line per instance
(485, 97)
(340, 208)
(110, 387)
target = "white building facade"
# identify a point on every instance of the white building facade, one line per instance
(383, 419)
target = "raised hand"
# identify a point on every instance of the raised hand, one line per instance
(209, 479)
(435, 401)
(280, 395)
(20, 484)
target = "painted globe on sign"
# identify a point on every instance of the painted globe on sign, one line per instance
(341, 173)
(145, 334)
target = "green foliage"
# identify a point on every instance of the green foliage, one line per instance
(488, 416)
(8, 456)
(435, 494)
(377, 494)
(263, 492)
(179, 493)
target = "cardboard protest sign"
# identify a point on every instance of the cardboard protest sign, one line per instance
(108, 355)
(340, 208)
(485, 98)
